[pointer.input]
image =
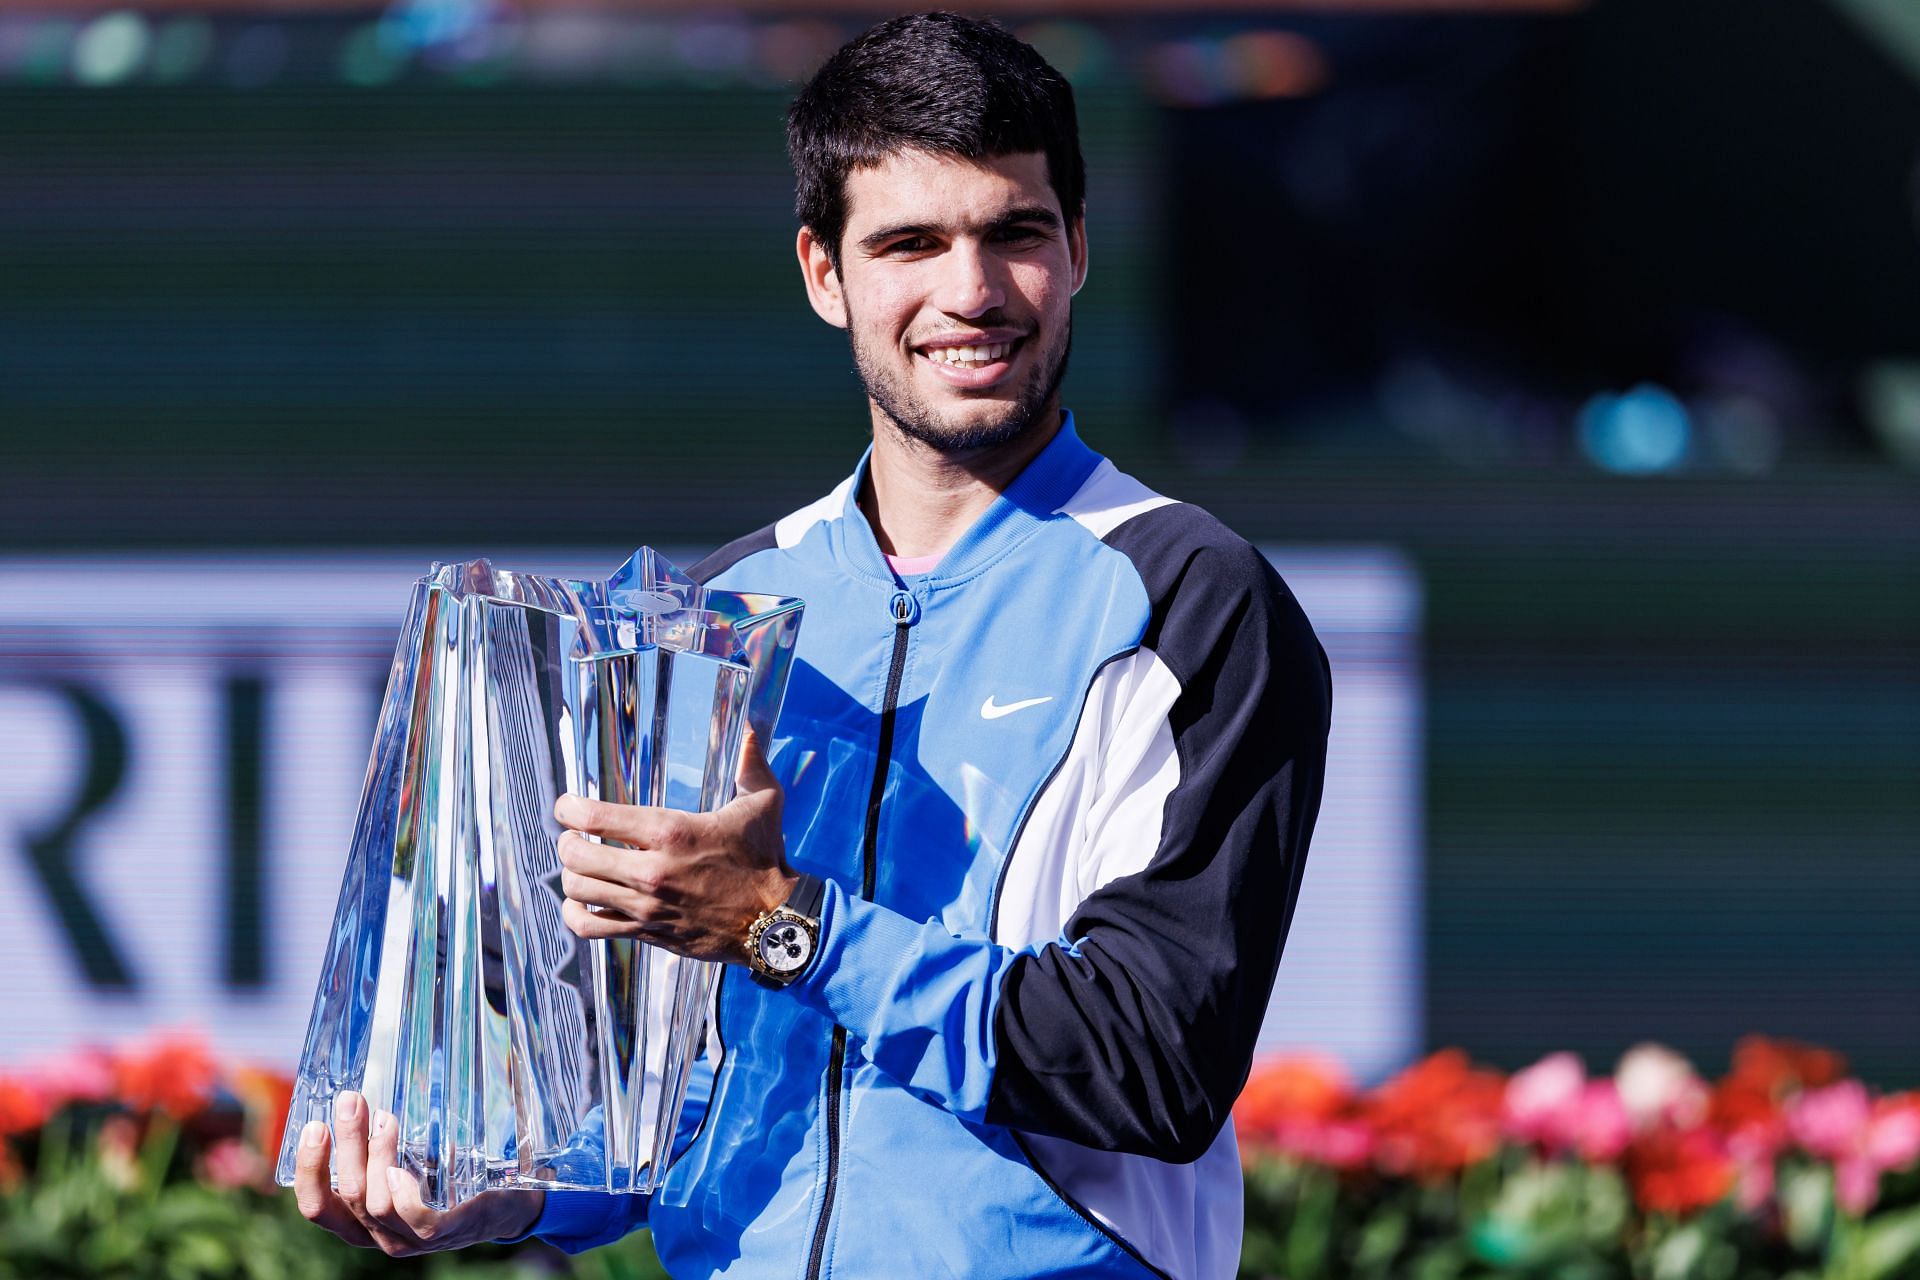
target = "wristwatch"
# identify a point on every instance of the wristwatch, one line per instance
(781, 943)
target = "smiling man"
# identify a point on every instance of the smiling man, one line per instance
(1005, 895)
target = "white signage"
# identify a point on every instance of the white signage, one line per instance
(183, 742)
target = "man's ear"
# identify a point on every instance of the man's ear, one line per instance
(823, 281)
(1077, 248)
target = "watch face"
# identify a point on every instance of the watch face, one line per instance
(785, 947)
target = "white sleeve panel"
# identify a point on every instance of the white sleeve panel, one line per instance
(1109, 498)
(1098, 818)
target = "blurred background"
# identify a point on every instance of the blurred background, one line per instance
(1566, 356)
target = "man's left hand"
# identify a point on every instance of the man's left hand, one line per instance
(689, 882)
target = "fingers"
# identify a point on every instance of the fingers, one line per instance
(350, 1151)
(586, 923)
(636, 826)
(409, 1212)
(382, 1154)
(597, 893)
(754, 773)
(314, 1194)
(390, 1230)
(640, 869)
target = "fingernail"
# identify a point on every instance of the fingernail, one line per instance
(313, 1134)
(382, 1122)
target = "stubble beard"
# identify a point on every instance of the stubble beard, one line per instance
(917, 420)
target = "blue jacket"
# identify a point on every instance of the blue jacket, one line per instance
(1060, 790)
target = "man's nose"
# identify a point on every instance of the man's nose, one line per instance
(971, 281)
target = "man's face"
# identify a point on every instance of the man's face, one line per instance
(955, 285)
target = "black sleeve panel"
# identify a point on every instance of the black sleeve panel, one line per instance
(732, 554)
(1142, 1041)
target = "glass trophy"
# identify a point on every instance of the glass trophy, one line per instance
(513, 1053)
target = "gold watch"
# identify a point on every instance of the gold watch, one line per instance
(783, 941)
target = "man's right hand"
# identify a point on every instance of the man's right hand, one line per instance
(377, 1205)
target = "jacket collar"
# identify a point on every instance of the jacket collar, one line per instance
(1036, 495)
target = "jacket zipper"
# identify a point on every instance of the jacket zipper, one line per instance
(905, 610)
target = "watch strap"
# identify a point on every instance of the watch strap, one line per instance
(808, 897)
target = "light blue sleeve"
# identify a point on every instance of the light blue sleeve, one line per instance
(919, 998)
(575, 1221)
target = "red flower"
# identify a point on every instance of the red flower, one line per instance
(1436, 1117)
(1745, 1104)
(1678, 1171)
(1301, 1105)
(175, 1074)
(1291, 1087)
(23, 1107)
(1779, 1066)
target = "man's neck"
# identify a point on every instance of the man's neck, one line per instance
(919, 499)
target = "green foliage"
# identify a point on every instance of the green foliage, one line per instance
(96, 1207)
(1521, 1215)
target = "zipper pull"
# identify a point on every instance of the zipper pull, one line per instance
(904, 608)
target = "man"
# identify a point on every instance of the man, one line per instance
(1007, 902)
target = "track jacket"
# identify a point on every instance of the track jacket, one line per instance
(1060, 790)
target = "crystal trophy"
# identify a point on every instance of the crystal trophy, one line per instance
(513, 1053)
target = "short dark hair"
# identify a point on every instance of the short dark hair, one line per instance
(933, 82)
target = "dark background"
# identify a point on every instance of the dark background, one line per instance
(1607, 316)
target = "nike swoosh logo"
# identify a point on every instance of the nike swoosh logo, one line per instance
(988, 711)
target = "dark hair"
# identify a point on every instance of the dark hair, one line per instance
(933, 82)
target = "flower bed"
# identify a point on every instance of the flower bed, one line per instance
(157, 1161)
(1785, 1167)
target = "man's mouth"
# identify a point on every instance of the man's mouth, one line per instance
(969, 357)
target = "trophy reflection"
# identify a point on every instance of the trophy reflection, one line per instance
(512, 1053)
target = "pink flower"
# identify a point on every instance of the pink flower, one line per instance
(1553, 1105)
(1599, 1129)
(82, 1075)
(1755, 1184)
(1893, 1136)
(1540, 1098)
(231, 1163)
(1862, 1138)
(1831, 1122)
(1856, 1185)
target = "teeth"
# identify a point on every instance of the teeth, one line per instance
(968, 356)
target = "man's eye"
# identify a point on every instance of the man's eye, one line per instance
(1019, 235)
(913, 244)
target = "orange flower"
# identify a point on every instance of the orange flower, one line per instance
(1303, 1106)
(1291, 1087)
(1678, 1171)
(266, 1096)
(174, 1073)
(1436, 1117)
(23, 1108)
